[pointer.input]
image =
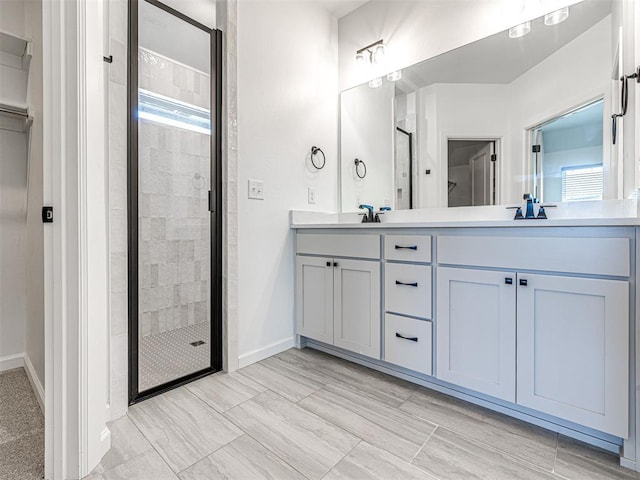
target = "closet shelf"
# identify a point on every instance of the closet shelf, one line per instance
(14, 118)
(15, 51)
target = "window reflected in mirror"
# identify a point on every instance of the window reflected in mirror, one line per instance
(568, 155)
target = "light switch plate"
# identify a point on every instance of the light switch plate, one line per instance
(312, 195)
(256, 189)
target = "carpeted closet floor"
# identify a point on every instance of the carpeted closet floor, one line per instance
(21, 429)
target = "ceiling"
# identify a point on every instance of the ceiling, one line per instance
(499, 59)
(340, 8)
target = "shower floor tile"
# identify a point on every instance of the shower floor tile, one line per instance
(170, 355)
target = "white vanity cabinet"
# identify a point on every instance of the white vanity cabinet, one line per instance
(338, 299)
(573, 351)
(476, 330)
(572, 330)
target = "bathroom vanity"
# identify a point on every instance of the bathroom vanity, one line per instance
(535, 319)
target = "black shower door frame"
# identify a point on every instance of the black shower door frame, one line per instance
(215, 204)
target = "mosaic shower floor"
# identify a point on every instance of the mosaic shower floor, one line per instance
(169, 355)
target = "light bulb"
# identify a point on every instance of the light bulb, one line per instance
(520, 30)
(378, 54)
(376, 82)
(556, 17)
(394, 76)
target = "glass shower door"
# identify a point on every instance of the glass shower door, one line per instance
(175, 224)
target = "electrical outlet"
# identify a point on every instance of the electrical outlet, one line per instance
(312, 195)
(256, 189)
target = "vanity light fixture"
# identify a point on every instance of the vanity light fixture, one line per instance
(373, 53)
(520, 30)
(394, 76)
(556, 17)
(376, 82)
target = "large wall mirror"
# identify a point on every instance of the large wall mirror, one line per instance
(490, 121)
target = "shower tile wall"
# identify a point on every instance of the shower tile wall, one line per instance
(174, 222)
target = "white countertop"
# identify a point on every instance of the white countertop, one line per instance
(590, 214)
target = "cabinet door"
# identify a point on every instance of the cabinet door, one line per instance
(314, 298)
(476, 330)
(357, 307)
(573, 339)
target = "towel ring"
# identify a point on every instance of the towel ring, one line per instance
(359, 162)
(314, 152)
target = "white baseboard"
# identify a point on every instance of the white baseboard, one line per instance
(36, 384)
(10, 362)
(266, 352)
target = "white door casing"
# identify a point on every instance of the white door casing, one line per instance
(76, 436)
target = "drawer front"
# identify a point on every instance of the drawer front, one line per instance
(357, 246)
(597, 256)
(410, 248)
(407, 343)
(407, 289)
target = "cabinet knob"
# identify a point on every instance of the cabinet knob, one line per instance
(328, 264)
(523, 282)
(412, 339)
(411, 284)
(335, 264)
(508, 281)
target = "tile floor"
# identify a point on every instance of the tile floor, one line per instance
(21, 429)
(169, 355)
(303, 414)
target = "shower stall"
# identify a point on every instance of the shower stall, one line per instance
(174, 199)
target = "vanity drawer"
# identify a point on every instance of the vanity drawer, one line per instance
(336, 245)
(596, 256)
(407, 343)
(407, 289)
(410, 248)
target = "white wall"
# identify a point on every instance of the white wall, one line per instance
(21, 188)
(12, 17)
(463, 111)
(417, 30)
(365, 135)
(551, 88)
(287, 102)
(13, 190)
(34, 347)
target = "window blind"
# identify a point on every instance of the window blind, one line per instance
(582, 183)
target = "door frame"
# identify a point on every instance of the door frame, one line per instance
(495, 170)
(75, 262)
(132, 209)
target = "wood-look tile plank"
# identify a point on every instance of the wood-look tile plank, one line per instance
(450, 456)
(182, 428)
(126, 443)
(147, 466)
(223, 391)
(520, 439)
(576, 460)
(387, 389)
(305, 441)
(287, 382)
(378, 424)
(242, 459)
(368, 462)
